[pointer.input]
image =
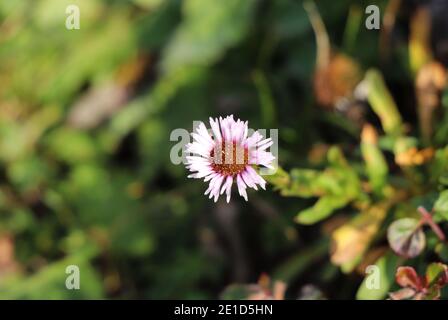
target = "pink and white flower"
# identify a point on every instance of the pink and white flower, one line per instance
(228, 155)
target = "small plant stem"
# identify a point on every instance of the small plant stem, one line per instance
(322, 39)
(427, 218)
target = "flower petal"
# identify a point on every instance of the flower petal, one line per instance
(241, 187)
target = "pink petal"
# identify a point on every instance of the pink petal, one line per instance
(215, 128)
(248, 180)
(256, 177)
(241, 187)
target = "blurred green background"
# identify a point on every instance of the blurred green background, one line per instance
(85, 123)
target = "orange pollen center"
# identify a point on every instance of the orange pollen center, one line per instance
(231, 158)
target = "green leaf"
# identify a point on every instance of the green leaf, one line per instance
(376, 165)
(323, 208)
(337, 186)
(382, 103)
(29, 173)
(406, 237)
(435, 271)
(442, 250)
(49, 282)
(71, 146)
(386, 273)
(280, 179)
(441, 205)
(149, 4)
(208, 29)
(303, 184)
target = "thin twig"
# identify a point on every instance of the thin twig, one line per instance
(322, 40)
(427, 218)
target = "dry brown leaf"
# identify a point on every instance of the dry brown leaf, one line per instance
(414, 157)
(318, 153)
(266, 290)
(8, 263)
(419, 41)
(430, 81)
(337, 80)
(102, 101)
(98, 104)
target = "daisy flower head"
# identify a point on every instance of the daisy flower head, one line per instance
(228, 155)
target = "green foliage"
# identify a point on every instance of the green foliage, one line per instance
(387, 265)
(49, 283)
(441, 205)
(206, 31)
(382, 103)
(336, 186)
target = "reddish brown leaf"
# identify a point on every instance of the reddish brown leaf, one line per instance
(408, 278)
(402, 294)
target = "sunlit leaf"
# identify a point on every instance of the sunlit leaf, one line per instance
(413, 156)
(442, 250)
(376, 165)
(420, 38)
(207, 30)
(437, 273)
(387, 266)
(321, 210)
(352, 239)
(441, 205)
(382, 103)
